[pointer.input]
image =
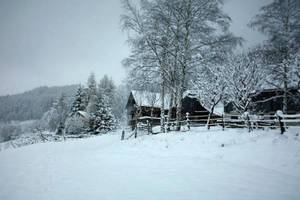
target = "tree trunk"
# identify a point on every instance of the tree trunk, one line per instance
(162, 108)
(285, 90)
(248, 123)
(179, 108)
(170, 112)
(209, 116)
(151, 119)
(184, 64)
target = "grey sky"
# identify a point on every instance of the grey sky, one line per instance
(59, 42)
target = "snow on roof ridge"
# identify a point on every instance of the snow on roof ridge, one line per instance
(149, 99)
(219, 108)
(83, 114)
(144, 98)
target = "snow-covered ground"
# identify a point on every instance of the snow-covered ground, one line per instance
(185, 165)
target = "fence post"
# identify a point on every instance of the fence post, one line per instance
(136, 127)
(168, 124)
(149, 127)
(279, 116)
(123, 135)
(135, 132)
(188, 120)
(247, 121)
(223, 123)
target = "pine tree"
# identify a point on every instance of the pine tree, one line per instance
(91, 109)
(79, 103)
(92, 102)
(92, 85)
(107, 87)
(76, 123)
(103, 119)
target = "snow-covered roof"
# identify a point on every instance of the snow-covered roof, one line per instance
(83, 114)
(219, 108)
(150, 99)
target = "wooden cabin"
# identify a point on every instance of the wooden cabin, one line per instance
(270, 100)
(143, 105)
(198, 113)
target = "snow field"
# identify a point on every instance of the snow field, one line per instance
(176, 165)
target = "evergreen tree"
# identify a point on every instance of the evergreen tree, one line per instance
(80, 101)
(104, 119)
(101, 118)
(92, 101)
(107, 87)
(92, 106)
(92, 85)
(91, 109)
(76, 123)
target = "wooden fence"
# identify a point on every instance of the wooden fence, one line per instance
(145, 124)
(226, 121)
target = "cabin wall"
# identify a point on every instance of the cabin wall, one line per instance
(189, 105)
(271, 106)
(193, 107)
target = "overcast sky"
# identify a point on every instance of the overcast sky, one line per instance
(59, 42)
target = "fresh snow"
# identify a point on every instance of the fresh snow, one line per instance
(200, 164)
(150, 99)
(218, 109)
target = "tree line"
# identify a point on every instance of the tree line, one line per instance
(91, 108)
(31, 105)
(96, 108)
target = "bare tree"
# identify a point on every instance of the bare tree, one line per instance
(244, 77)
(171, 38)
(209, 85)
(280, 21)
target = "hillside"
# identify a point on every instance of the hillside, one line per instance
(32, 104)
(192, 165)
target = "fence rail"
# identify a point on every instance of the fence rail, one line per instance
(251, 122)
(229, 120)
